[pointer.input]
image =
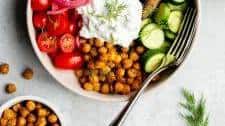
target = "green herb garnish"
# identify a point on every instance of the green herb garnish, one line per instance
(114, 10)
(195, 114)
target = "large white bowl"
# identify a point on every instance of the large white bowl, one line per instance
(65, 77)
(20, 99)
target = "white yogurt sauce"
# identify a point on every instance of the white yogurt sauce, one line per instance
(122, 31)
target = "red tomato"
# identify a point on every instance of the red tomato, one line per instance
(69, 60)
(58, 24)
(67, 43)
(47, 43)
(72, 28)
(40, 20)
(77, 42)
(40, 5)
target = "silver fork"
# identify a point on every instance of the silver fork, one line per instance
(178, 50)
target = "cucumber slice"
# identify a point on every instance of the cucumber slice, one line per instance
(152, 36)
(175, 20)
(152, 60)
(145, 22)
(162, 14)
(170, 35)
(177, 2)
(165, 47)
(181, 7)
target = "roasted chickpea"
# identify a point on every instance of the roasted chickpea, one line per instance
(24, 112)
(103, 57)
(4, 68)
(3, 122)
(102, 50)
(120, 72)
(117, 59)
(41, 121)
(39, 105)
(132, 73)
(28, 74)
(83, 80)
(52, 118)
(21, 121)
(127, 63)
(105, 89)
(94, 52)
(119, 87)
(16, 107)
(102, 78)
(10, 88)
(79, 73)
(100, 64)
(137, 66)
(12, 122)
(109, 45)
(91, 65)
(111, 77)
(99, 42)
(30, 105)
(42, 112)
(97, 86)
(135, 85)
(88, 86)
(126, 89)
(111, 64)
(31, 118)
(93, 78)
(130, 80)
(86, 48)
(87, 57)
(9, 114)
(124, 55)
(140, 49)
(134, 56)
(106, 70)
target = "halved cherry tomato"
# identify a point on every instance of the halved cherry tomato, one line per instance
(47, 43)
(69, 60)
(58, 24)
(40, 5)
(40, 20)
(67, 43)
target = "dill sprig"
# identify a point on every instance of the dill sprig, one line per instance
(114, 10)
(195, 114)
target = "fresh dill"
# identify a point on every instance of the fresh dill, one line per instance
(195, 114)
(114, 10)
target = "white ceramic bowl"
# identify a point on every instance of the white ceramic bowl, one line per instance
(20, 99)
(65, 77)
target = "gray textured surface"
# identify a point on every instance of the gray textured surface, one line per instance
(204, 71)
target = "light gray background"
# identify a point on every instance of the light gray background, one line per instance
(203, 72)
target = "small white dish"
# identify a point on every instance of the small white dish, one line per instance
(20, 99)
(65, 77)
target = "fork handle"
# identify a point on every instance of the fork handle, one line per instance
(119, 120)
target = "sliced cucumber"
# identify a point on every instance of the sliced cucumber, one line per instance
(175, 20)
(162, 14)
(181, 7)
(145, 22)
(170, 35)
(177, 2)
(165, 47)
(152, 60)
(152, 36)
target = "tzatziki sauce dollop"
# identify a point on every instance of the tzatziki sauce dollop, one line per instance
(116, 21)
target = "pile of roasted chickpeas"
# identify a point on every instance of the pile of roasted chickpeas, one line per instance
(109, 68)
(29, 113)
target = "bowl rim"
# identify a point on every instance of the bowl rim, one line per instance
(92, 95)
(43, 101)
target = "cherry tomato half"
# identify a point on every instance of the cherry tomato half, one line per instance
(58, 24)
(47, 43)
(40, 5)
(67, 43)
(40, 20)
(69, 60)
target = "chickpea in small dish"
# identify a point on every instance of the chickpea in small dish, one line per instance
(29, 113)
